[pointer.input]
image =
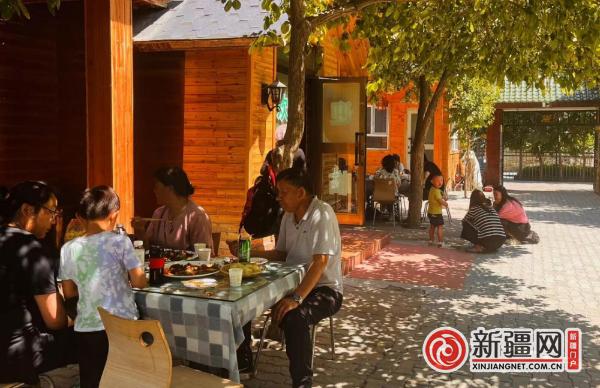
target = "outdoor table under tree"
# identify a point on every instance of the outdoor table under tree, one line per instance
(205, 325)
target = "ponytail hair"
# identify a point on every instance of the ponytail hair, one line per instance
(34, 193)
(176, 178)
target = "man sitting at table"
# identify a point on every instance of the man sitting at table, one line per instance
(309, 234)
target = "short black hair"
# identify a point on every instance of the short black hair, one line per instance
(176, 178)
(297, 177)
(34, 193)
(98, 203)
(388, 163)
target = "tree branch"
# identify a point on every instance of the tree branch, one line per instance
(347, 9)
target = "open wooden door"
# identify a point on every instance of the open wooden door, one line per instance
(336, 144)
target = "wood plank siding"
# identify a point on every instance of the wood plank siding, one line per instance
(42, 100)
(158, 120)
(226, 131)
(109, 78)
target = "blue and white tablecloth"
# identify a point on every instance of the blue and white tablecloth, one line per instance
(205, 326)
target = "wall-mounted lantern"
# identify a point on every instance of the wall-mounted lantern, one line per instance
(274, 92)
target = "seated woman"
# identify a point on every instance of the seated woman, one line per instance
(513, 216)
(388, 171)
(179, 223)
(481, 225)
(34, 337)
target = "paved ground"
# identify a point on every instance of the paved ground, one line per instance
(555, 284)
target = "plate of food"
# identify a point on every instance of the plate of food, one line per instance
(200, 283)
(259, 260)
(250, 270)
(179, 254)
(190, 270)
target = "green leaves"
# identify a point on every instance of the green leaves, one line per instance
(521, 40)
(16, 8)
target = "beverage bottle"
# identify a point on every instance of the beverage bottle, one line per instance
(120, 229)
(244, 245)
(140, 252)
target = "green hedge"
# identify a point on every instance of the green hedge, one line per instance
(570, 173)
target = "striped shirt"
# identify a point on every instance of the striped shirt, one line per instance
(485, 221)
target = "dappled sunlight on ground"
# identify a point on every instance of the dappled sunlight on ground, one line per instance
(415, 264)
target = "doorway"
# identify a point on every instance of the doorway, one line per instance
(337, 144)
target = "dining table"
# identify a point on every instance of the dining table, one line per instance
(205, 325)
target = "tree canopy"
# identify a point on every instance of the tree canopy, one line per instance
(429, 47)
(472, 107)
(16, 8)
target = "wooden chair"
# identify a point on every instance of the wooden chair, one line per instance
(384, 193)
(139, 356)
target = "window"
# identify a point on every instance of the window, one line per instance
(377, 128)
(454, 143)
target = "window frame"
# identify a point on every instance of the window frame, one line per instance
(371, 126)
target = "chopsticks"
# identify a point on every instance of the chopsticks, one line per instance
(148, 219)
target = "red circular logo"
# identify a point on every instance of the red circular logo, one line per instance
(445, 349)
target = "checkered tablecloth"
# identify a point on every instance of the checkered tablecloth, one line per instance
(209, 331)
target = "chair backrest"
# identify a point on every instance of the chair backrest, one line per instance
(138, 353)
(384, 190)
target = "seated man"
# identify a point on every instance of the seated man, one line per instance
(309, 234)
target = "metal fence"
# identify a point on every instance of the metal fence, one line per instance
(549, 166)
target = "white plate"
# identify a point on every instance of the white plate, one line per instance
(259, 260)
(200, 283)
(167, 265)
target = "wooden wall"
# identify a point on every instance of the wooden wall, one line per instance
(42, 100)
(226, 131)
(398, 125)
(158, 120)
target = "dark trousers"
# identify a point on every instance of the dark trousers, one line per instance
(93, 350)
(489, 244)
(35, 353)
(321, 303)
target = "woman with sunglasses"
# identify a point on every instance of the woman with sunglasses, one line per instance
(33, 322)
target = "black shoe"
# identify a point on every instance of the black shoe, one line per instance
(245, 361)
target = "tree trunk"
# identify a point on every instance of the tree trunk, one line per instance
(467, 169)
(427, 107)
(300, 31)
(541, 162)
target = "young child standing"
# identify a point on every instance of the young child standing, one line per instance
(94, 267)
(434, 211)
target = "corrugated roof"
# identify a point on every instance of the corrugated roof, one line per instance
(199, 20)
(553, 93)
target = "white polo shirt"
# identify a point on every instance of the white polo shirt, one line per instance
(317, 233)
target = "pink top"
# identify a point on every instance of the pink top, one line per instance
(513, 212)
(191, 226)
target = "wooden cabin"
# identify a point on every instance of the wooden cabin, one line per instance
(66, 99)
(197, 93)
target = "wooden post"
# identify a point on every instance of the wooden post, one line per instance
(109, 90)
